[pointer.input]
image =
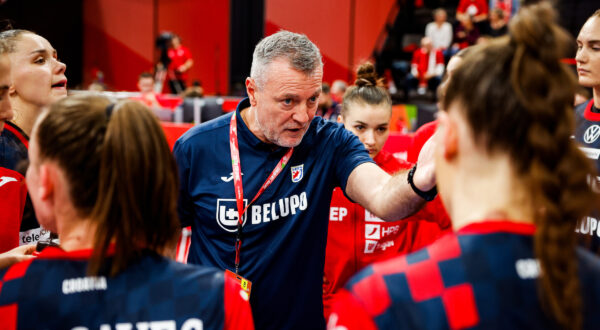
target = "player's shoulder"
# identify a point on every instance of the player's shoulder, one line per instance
(205, 132)
(580, 108)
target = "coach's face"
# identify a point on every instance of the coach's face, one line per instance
(286, 102)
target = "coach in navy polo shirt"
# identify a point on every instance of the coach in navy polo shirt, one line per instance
(291, 162)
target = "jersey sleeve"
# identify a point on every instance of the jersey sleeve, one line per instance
(348, 313)
(184, 205)
(13, 193)
(238, 314)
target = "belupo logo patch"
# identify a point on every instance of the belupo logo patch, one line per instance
(297, 173)
(227, 214)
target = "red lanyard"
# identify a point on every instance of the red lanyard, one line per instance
(237, 182)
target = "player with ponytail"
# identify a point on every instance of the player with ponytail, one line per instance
(515, 185)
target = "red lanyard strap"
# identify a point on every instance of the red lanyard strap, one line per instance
(237, 182)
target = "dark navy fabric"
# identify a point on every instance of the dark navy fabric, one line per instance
(468, 280)
(285, 230)
(12, 150)
(587, 134)
(153, 289)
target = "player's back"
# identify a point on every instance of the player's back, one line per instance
(485, 276)
(54, 292)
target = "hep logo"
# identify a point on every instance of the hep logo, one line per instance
(227, 214)
(591, 134)
(297, 173)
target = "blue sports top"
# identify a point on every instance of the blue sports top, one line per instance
(587, 134)
(285, 230)
(482, 277)
(53, 291)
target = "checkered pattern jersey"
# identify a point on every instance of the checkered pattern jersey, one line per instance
(50, 292)
(482, 277)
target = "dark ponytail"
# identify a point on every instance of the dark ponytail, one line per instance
(120, 171)
(517, 98)
(368, 89)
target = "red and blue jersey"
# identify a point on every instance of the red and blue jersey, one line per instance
(13, 156)
(484, 276)
(285, 229)
(53, 291)
(12, 201)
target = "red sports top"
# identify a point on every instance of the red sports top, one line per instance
(357, 238)
(13, 192)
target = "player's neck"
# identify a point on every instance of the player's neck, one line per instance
(596, 91)
(77, 234)
(488, 191)
(25, 115)
(249, 117)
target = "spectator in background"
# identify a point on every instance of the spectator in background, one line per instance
(195, 90)
(508, 7)
(180, 62)
(439, 31)
(466, 34)
(497, 24)
(147, 95)
(477, 10)
(427, 67)
(328, 108)
(338, 88)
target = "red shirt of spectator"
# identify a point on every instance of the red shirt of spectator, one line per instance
(357, 238)
(178, 57)
(472, 7)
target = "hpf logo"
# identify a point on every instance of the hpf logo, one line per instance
(372, 231)
(227, 214)
(591, 134)
(297, 173)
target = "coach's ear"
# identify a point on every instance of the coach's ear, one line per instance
(251, 90)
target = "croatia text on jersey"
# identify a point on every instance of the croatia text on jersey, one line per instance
(279, 210)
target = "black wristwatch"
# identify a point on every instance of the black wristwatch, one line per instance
(426, 195)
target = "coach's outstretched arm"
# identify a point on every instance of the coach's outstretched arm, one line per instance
(392, 197)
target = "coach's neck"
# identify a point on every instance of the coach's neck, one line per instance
(249, 117)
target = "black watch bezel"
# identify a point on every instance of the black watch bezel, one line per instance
(426, 195)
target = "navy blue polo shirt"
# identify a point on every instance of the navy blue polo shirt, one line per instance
(285, 230)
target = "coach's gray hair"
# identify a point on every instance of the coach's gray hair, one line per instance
(302, 54)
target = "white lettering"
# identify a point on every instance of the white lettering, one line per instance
(593, 225)
(83, 284)
(189, 324)
(333, 214)
(123, 326)
(303, 201)
(284, 207)
(192, 324)
(294, 203)
(343, 213)
(266, 212)
(256, 214)
(528, 268)
(385, 231)
(274, 215)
